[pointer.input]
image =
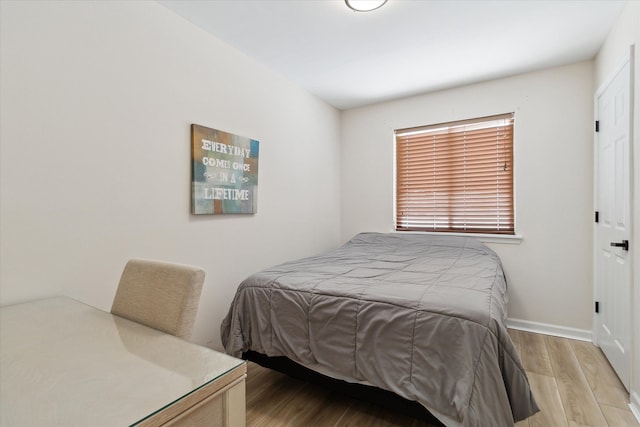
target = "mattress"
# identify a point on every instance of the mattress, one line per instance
(423, 316)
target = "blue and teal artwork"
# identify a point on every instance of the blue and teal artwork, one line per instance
(224, 172)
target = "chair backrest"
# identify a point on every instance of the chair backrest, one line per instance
(161, 295)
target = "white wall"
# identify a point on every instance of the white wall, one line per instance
(625, 33)
(548, 273)
(96, 103)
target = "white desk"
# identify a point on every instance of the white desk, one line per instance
(64, 363)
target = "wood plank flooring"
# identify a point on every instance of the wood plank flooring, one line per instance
(572, 381)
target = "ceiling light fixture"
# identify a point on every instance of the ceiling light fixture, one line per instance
(364, 5)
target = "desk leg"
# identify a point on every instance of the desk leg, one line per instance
(235, 406)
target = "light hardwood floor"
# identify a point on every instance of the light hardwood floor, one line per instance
(572, 381)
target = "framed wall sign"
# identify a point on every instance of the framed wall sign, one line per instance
(224, 172)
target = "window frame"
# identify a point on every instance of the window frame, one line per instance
(492, 237)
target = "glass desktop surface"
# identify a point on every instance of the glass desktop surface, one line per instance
(65, 363)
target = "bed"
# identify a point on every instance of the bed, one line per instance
(422, 316)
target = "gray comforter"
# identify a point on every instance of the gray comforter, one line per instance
(420, 315)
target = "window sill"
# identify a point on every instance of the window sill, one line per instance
(509, 239)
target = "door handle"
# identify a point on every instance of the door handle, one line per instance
(624, 245)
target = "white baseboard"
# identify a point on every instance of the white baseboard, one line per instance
(635, 405)
(547, 329)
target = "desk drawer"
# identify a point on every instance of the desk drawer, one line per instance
(209, 412)
(223, 409)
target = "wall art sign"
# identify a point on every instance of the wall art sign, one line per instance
(224, 172)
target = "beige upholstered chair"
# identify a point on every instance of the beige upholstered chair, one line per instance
(159, 294)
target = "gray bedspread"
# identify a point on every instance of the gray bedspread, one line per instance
(420, 315)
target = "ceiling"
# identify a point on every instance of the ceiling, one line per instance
(407, 47)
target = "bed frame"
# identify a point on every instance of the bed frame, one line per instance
(374, 395)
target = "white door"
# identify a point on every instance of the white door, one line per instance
(613, 230)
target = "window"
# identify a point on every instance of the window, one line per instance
(456, 177)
